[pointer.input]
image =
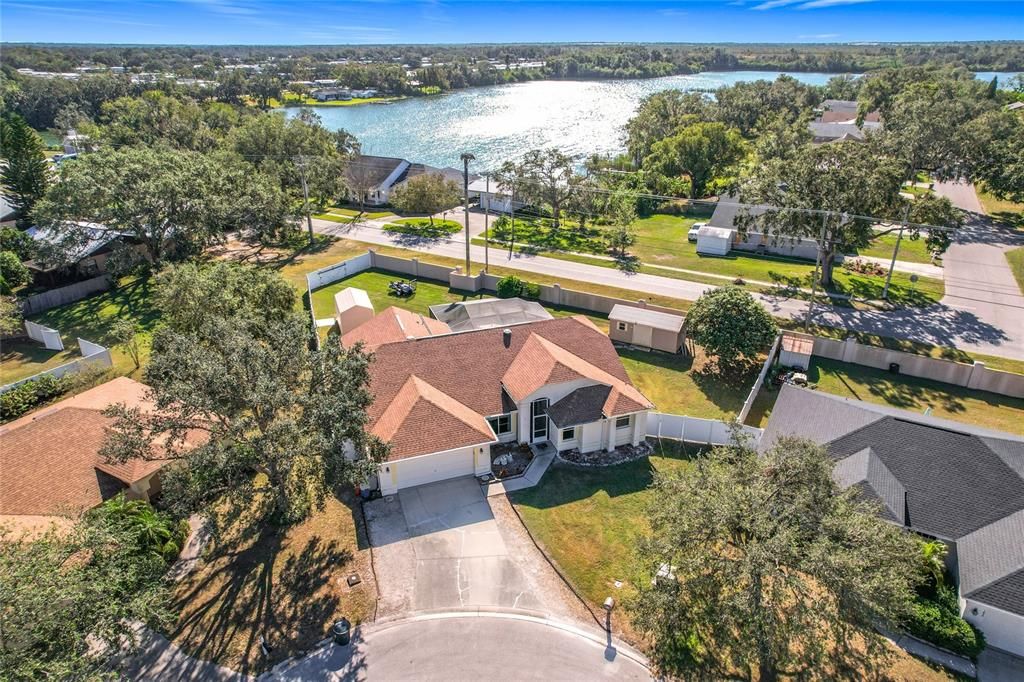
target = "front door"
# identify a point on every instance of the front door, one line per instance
(539, 419)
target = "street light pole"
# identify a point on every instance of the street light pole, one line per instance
(814, 282)
(466, 158)
(487, 222)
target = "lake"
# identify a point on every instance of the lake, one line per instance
(501, 122)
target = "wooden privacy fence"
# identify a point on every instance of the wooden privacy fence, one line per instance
(55, 298)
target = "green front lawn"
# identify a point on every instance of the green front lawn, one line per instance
(988, 410)
(589, 519)
(423, 227)
(1016, 260)
(354, 212)
(1002, 211)
(911, 250)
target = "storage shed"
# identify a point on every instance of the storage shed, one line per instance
(352, 308)
(796, 350)
(647, 328)
(715, 241)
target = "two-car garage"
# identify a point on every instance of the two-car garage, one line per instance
(412, 471)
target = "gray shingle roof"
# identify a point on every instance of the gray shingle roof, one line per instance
(582, 406)
(867, 470)
(1006, 593)
(990, 560)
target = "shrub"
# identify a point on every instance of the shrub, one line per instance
(154, 531)
(20, 400)
(938, 621)
(13, 272)
(530, 290)
(509, 286)
(729, 323)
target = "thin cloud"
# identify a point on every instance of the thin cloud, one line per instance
(672, 12)
(772, 4)
(815, 4)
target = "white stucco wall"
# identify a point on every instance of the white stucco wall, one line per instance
(411, 471)
(1003, 630)
(554, 393)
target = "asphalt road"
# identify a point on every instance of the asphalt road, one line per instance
(467, 647)
(982, 313)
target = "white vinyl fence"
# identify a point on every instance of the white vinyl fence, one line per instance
(752, 396)
(50, 338)
(93, 355)
(697, 430)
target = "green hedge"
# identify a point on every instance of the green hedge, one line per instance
(938, 621)
(511, 286)
(20, 400)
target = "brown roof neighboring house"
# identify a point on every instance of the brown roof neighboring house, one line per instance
(50, 462)
(846, 117)
(432, 394)
(391, 325)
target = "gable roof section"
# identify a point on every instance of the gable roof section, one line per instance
(421, 413)
(991, 563)
(391, 325)
(371, 171)
(50, 459)
(469, 368)
(867, 471)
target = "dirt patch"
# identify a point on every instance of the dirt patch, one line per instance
(239, 251)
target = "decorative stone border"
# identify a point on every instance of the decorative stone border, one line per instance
(602, 458)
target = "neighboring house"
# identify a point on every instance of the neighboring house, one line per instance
(371, 179)
(7, 212)
(392, 325)
(331, 94)
(725, 216)
(88, 259)
(494, 197)
(487, 313)
(647, 328)
(50, 462)
(74, 142)
(837, 122)
(1015, 106)
(946, 480)
(442, 401)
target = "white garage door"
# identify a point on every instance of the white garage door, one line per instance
(430, 468)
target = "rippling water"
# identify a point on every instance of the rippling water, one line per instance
(501, 122)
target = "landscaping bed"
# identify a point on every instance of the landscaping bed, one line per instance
(603, 458)
(422, 227)
(509, 460)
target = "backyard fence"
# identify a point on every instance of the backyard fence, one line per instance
(697, 430)
(55, 298)
(755, 389)
(50, 338)
(93, 355)
(974, 376)
(552, 294)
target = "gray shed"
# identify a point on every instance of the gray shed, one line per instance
(647, 328)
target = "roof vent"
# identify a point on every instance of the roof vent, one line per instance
(506, 337)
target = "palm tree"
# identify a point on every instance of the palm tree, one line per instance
(933, 562)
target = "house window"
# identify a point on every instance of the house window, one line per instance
(622, 422)
(502, 424)
(622, 326)
(569, 433)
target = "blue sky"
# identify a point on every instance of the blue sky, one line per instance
(284, 22)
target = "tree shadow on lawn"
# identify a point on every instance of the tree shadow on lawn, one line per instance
(261, 586)
(727, 388)
(904, 392)
(91, 318)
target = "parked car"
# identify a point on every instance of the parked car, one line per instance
(692, 234)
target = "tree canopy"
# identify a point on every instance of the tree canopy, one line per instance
(428, 193)
(700, 151)
(248, 413)
(729, 323)
(543, 177)
(767, 566)
(25, 172)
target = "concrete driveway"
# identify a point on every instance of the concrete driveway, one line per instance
(443, 547)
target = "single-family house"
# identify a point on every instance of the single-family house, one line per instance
(50, 462)
(494, 197)
(370, 179)
(442, 401)
(755, 240)
(85, 254)
(486, 313)
(647, 328)
(956, 482)
(1015, 106)
(837, 122)
(329, 94)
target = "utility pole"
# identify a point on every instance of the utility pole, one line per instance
(487, 222)
(512, 210)
(895, 251)
(466, 158)
(814, 282)
(300, 161)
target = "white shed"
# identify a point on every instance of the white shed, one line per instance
(796, 350)
(715, 241)
(352, 308)
(647, 328)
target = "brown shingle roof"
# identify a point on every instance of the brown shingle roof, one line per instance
(391, 325)
(50, 462)
(474, 369)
